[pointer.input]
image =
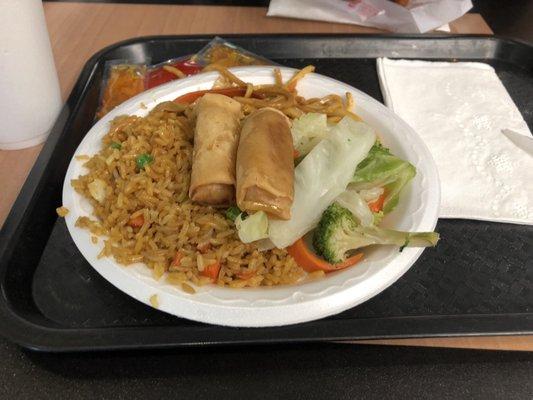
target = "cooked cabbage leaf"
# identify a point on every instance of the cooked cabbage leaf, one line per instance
(380, 168)
(352, 201)
(252, 227)
(322, 176)
(307, 131)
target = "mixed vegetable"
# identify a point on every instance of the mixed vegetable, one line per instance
(339, 233)
(381, 170)
(346, 181)
(322, 175)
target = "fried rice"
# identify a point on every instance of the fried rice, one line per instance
(143, 214)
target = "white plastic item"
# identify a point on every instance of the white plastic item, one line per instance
(281, 305)
(30, 100)
(418, 16)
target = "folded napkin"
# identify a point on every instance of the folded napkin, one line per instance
(459, 110)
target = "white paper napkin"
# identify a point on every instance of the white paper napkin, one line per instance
(459, 110)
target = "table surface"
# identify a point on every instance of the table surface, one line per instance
(78, 30)
(311, 372)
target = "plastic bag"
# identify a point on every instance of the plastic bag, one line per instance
(121, 82)
(170, 70)
(406, 16)
(221, 52)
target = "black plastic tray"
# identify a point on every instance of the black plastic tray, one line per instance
(478, 281)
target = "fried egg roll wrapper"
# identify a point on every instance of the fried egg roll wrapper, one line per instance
(216, 137)
(265, 165)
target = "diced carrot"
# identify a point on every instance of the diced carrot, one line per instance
(310, 262)
(177, 259)
(136, 222)
(377, 205)
(246, 275)
(211, 271)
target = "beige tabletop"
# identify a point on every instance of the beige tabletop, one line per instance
(78, 30)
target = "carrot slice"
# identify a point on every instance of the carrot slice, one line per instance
(310, 262)
(246, 275)
(211, 271)
(377, 205)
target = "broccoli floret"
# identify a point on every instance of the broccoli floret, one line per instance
(330, 238)
(338, 233)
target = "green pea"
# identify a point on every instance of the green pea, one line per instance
(143, 160)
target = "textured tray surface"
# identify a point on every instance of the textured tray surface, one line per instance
(455, 279)
(478, 267)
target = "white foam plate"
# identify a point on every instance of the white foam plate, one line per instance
(282, 305)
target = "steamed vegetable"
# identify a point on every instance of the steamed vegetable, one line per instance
(307, 131)
(371, 195)
(381, 169)
(322, 176)
(211, 271)
(352, 201)
(338, 233)
(378, 217)
(365, 205)
(377, 205)
(310, 262)
(252, 227)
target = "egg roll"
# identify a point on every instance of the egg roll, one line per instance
(265, 164)
(216, 137)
